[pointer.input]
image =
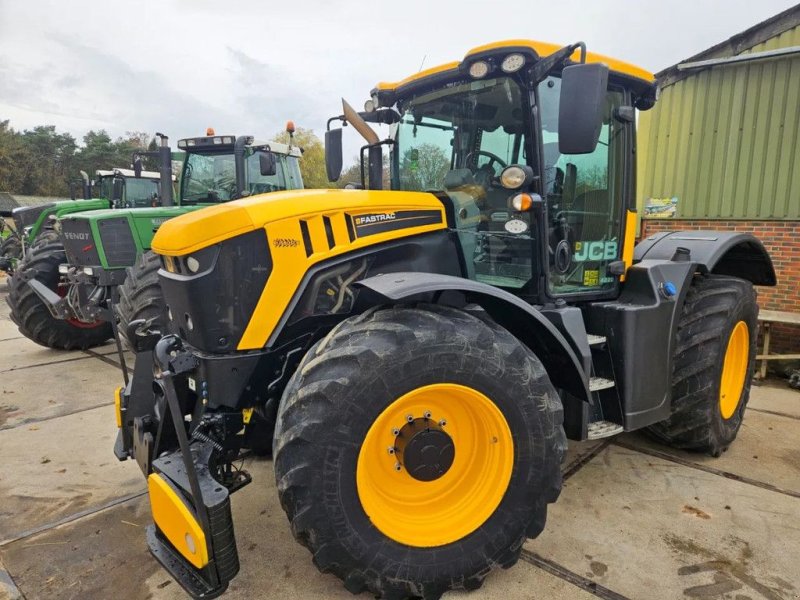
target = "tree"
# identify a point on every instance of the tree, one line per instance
(424, 168)
(15, 158)
(312, 164)
(350, 175)
(41, 161)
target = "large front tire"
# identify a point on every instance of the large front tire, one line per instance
(140, 297)
(713, 365)
(397, 517)
(29, 312)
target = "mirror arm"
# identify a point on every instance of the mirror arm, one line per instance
(546, 65)
(340, 118)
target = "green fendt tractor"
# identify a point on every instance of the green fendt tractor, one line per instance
(101, 258)
(429, 349)
(117, 188)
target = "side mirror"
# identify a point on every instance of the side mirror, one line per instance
(333, 154)
(267, 163)
(137, 166)
(581, 106)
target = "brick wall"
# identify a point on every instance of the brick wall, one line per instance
(782, 241)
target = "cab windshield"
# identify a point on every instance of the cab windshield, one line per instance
(457, 141)
(140, 192)
(209, 178)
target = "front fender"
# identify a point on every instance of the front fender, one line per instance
(722, 252)
(517, 316)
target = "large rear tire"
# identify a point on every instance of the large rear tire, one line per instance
(713, 365)
(478, 443)
(140, 297)
(30, 314)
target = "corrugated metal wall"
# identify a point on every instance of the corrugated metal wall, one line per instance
(725, 141)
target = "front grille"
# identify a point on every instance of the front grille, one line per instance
(81, 248)
(118, 243)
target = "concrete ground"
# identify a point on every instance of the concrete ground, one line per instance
(635, 519)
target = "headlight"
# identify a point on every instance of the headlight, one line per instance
(513, 177)
(479, 69)
(193, 264)
(512, 63)
(88, 271)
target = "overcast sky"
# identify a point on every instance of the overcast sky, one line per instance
(246, 66)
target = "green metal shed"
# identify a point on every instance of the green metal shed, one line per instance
(723, 141)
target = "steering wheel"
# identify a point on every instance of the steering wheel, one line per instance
(493, 158)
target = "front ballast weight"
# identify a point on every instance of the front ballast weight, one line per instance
(192, 536)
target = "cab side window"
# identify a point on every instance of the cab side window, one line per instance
(583, 192)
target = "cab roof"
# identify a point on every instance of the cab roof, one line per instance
(126, 173)
(637, 75)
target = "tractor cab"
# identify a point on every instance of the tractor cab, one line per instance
(533, 158)
(126, 190)
(222, 168)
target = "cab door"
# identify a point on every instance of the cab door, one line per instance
(584, 201)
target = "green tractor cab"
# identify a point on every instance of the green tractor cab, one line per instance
(100, 263)
(114, 188)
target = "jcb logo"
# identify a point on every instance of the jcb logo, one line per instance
(595, 251)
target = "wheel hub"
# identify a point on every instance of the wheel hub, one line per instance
(424, 449)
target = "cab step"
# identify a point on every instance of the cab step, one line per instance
(600, 383)
(603, 429)
(595, 340)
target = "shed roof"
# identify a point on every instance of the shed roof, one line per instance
(736, 44)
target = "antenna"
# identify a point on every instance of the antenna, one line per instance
(423, 62)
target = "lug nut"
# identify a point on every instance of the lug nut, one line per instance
(410, 418)
(395, 432)
(398, 467)
(442, 423)
(390, 449)
(427, 414)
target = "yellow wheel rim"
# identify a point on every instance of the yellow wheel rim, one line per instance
(457, 502)
(734, 370)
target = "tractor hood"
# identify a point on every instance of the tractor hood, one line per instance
(214, 224)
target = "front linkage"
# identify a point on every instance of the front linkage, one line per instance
(189, 487)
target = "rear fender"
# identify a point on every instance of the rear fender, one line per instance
(721, 252)
(520, 318)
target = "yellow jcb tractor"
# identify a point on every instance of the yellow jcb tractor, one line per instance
(426, 351)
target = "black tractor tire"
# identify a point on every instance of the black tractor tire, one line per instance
(11, 250)
(31, 315)
(140, 297)
(45, 238)
(714, 305)
(338, 391)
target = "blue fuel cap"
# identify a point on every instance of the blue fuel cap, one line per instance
(669, 289)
